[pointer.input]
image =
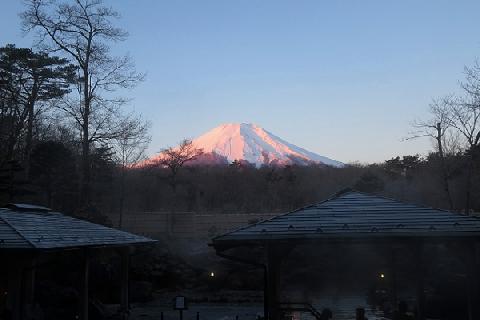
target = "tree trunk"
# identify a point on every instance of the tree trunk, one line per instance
(444, 166)
(85, 187)
(30, 118)
(122, 196)
(469, 182)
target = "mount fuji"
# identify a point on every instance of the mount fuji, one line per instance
(249, 142)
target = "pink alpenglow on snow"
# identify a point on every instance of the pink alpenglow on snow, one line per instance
(249, 142)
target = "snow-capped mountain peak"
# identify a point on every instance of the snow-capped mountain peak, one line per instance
(249, 142)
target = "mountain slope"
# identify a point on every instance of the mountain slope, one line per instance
(256, 145)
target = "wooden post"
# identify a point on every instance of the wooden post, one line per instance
(15, 289)
(420, 279)
(393, 278)
(85, 278)
(29, 287)
(275, 255)
(472, 280)
(265, 293)
(124, 300)
(274, 260)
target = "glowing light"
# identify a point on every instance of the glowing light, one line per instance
(212, 274)
(382, 275)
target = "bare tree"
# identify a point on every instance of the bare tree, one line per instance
(459, 114)
(83, 30)
(465, 118)
(175, 158)
(438, 127)
(129, 146)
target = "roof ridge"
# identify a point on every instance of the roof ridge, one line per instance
(26, 207)
(343, 191)
(419, 221)
(336, 195)
(56, 231)
(409, 203)
(16, 230)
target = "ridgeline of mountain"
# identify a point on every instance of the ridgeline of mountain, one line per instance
(249, 142)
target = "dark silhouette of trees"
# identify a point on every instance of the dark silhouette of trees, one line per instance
(53, 170)
(174, 158)
(439, 128)
(129, 146)
(103, 170)
(369, 182)
(64, 138)
(83, 30)
(12, 181)
(29, 81)
(457, 116)
(465, 118)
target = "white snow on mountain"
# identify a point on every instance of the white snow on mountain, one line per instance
(252, 143)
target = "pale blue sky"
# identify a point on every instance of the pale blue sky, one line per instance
(341, 78)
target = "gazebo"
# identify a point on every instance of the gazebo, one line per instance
(350, 218)
(31, 233)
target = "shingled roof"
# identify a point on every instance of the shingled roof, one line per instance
(30, 227)
(352, 214)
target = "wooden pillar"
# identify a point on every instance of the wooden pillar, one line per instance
(272, 283)
(472, 280)
(418, 250)
(29, 273)
(265, 293)
(14, 302)
(85, 287)
(124, 299)
(393, 278)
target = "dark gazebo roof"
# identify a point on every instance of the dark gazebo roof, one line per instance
(31, 227)
(356, 215)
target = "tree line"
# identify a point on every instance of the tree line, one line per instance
(242, 187)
